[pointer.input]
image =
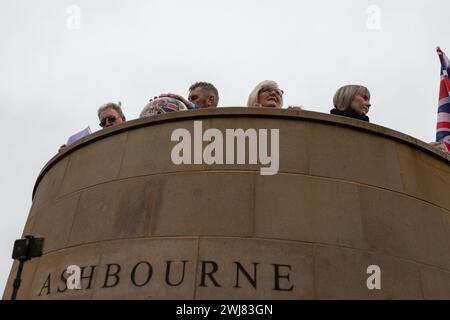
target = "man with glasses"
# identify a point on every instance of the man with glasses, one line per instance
(110, 114)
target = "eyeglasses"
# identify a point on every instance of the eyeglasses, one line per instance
(110, 119)
(278, 92)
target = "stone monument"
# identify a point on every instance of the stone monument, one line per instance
(242, 203)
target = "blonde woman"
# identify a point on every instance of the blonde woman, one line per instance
(266, 94)
(352, 101)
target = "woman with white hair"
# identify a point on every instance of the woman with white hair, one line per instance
(352, 101)
(266, 94)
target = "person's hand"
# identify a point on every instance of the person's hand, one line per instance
(439, 146)
(62, 147)
(175, 96)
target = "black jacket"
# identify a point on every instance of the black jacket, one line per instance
(349, 114)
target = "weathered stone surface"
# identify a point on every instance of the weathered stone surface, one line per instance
(405, 227)
(347, 195)
(149, 269)
(341, 273)
(28, 273)
(148, 151)
(50, 278)
(275, 269)
(351, 155)
(55, 222)
(50, 186)
(435, 283)
(113, 210)
(424, 176)
(94, 164)
(213, 204)
(311, 209)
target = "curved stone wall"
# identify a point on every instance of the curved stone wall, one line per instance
(347, 195)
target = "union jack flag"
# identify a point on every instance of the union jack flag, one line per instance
(443, 120)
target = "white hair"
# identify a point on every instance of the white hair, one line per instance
(253, 97)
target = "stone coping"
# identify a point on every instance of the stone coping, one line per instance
(288, 114)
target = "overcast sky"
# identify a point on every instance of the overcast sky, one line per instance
(60, 60)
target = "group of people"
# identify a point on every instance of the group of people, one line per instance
(349, 101)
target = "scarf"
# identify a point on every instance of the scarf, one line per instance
(349, 114)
